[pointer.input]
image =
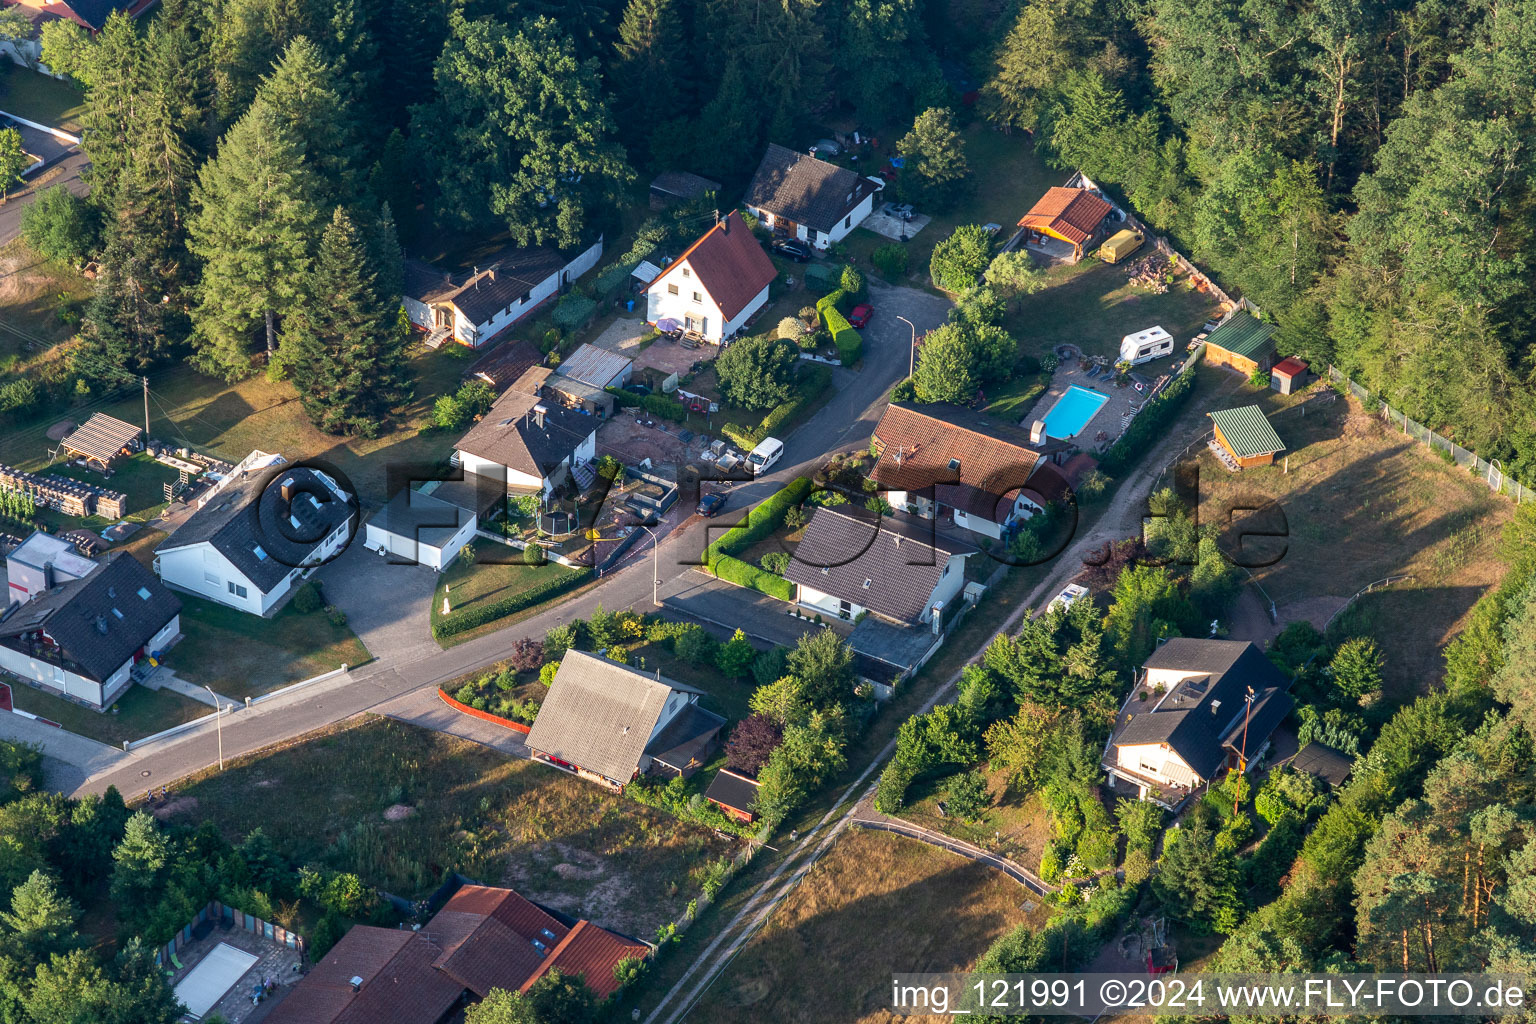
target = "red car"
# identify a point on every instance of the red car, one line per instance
(861, 314)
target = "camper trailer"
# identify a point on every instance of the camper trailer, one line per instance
(1120, 245)
(1143, 346)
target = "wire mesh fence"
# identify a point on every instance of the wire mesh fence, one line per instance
(1489, 471)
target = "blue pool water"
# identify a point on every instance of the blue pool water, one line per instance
(1072, 412)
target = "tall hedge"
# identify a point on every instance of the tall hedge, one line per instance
(745, 574)
(1148, 424)
(848, 342)
(468, 618)
(765, 517)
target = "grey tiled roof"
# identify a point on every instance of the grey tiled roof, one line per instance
(599, 715)
(248, 522)
(804, 189)
(101, 621)
(511, 433)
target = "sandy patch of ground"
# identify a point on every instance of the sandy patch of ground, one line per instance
(174, 806)
(398, 812)
(623, 335)
(60, 430)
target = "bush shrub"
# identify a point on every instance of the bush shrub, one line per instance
(959, 260)
(744, 574)
(469, 618)
(695, 646)
(306, 600)
(891, 260)
(852, 283)
(573, 311)
(547, 672)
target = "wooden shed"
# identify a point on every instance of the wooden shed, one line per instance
(1246, 434)
(1244, 343)
(735, 794)
(1288, 375)
(101, 439)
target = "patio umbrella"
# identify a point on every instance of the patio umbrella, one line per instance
(667, 325)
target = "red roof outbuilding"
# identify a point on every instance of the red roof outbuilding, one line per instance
(1291, 367)
(1072, 213)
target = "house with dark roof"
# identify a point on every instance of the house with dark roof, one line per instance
(1243, 342)
(798, 195)
(529, 445)
(484, 938)
(609, 723)
(950, 461)
(257, 532)
(670, 188)
(473, 305)
(899, 567)
(1079, 217)
(716, 286)
(1210, 705)
(83, 637)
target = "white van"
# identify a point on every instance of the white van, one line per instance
(765, 455)
(1144, 346)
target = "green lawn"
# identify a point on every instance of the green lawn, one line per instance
(480, 583)
(41, 98)
(458, 806)
(229, 420)
(137, 713)
(140, 477)
(242, 655)
(1093, 306)
(1011, 399)
(32, 293)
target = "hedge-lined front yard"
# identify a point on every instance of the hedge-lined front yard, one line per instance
(482, 593)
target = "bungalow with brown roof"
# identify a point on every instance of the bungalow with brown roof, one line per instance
(715, 286)
(484, 938)
(1075, 216)
(798, 195)
(529, 444)
(944, 458)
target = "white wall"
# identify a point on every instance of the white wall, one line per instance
(660, 303)
(741, 318)
(201, 570)
(475, 335)
(515, 478)
(1157, 761)
(419, 312)
(976, 524)
(419, 551)
(824, 603)
(847, 224)
(949, 585)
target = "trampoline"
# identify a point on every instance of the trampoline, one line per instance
(214, 975)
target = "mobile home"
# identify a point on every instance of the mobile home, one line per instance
(1144, 346)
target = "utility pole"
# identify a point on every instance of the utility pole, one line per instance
(1242, 757)
(220, 714)
(912, 350)
(146, 409)
(655, 566)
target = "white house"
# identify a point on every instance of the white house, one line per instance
(898, 567)
(420, 528)
(716, 286)
(473, 307)
(608, 722)
(42, 562)
(529, 445)
(262, 528)
(83, 637)
(798, 195)
(1211, 704)
(986, 475)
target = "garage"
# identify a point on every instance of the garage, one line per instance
(417, 527)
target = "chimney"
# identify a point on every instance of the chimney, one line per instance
(101, 624)
(288, 491)
(48, 577)
(938, 618)
(357, 983)
(1215, 707)
(538, 414)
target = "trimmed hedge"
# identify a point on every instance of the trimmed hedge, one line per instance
(745, 574)
(469, 618)
(848, 342)
(813, 382)
(1148, 425)
(765, 517)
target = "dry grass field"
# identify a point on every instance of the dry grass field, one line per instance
(874, 904)
(1362, 502)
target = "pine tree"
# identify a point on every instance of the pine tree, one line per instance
(254, 221)
(129, 324)
(308, 98)
(648, 71)
(42, 916)
(345, 347)
(139, 864)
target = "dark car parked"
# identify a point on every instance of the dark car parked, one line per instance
(792, 248)
(711, 504)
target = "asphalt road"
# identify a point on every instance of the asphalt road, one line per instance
(64, 171)
(845, 421)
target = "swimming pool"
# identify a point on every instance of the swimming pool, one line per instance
(1072, 412)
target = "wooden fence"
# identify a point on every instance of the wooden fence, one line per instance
(220, 914)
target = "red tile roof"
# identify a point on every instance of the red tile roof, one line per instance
(918, 443)
(729, 263)
(483, 938)
(1073, 213)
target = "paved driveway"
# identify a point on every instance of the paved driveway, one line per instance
(388, 606)
(727, 607)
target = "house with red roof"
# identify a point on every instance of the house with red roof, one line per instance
(484, 938)
(1077, 216)
(715, 286)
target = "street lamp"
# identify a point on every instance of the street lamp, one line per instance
(655, 566)
(219, 714)
(912, 349)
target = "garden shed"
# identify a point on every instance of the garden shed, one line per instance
(1246, 434)
(1244, 342)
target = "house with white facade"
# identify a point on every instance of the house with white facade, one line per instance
(899, 568)
(529, 445)
(948, 461)
(1210, 705)
(609, 723)
(715, 286)
(802, 197)
(42, 562)
(473, 306)
(84, 636)
(257, 533)
(420, 528)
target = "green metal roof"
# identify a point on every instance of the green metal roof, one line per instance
(1248, 431)
(1245, 335)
